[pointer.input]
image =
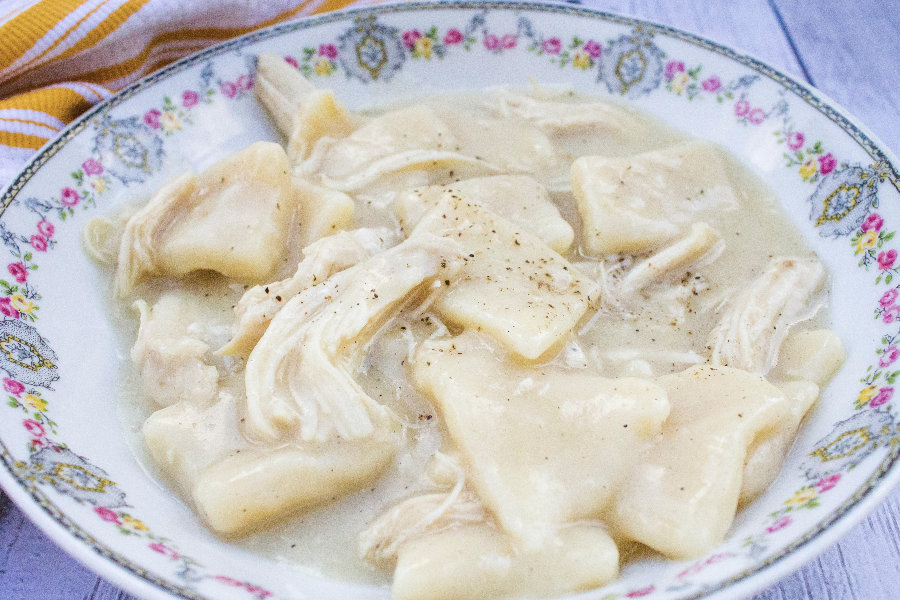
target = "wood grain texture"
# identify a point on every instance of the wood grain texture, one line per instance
(850, 51)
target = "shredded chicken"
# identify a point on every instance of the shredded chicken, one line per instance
(750, 333)
(259, 305)
(297, 376)
(417, 516)
(171, 364)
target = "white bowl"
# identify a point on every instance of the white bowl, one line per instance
(70, 465)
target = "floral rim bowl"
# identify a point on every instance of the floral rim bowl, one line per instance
(66, 460)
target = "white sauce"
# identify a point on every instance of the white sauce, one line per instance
(653, 334)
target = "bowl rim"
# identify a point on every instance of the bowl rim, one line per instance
(133, 578)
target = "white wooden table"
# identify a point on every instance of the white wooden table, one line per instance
(850, 49)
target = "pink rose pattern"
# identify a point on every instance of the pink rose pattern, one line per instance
(795, 140)
(18, 271)
(107, 515)
(69, 197)
(779, 524)
(673, 67)
(883, 396)
(641, 592)
(453, 37)
(889, 356)
(886, 259)
(151, 118)
(229, 89)
(496, 43)
(13, 387)
(38, 242)
(410, 37)
(873, 222)
(328, 50)
(7, 309)
(593, 49)
(552, 46)
(712, 84)
(189, 98)
(164, 550)
(92, 167)
(827, 483)
(826, 163)
(253, 589)
(45, 228)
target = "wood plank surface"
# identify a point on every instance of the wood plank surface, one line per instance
(851, 51)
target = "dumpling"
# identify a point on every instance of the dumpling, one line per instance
(322, 211)
(682, 496)
(185, 438)
(237, 487)
(600, 118)
(513, 286)
(810, 356)
(259, 487)
(233, 218)
(517, 147)
(543, 446)
(807, 360)
(635, 203)
(416, 128)
(767, 452)
(518, 198)
(476, 561)
(672, 259)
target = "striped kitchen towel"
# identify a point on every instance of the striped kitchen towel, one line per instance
(59, 57)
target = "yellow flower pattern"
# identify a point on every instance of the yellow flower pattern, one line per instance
(866, 394)
(21, 303)
(581, 60)
(35, 402)
(99, 184)
(423, 47)
(809, 168)
(170, 122)
(866, 241)
(680, 81)
(323, 67)
(801, 497)
(135, 524)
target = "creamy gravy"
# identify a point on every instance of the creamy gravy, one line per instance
(662, 329)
